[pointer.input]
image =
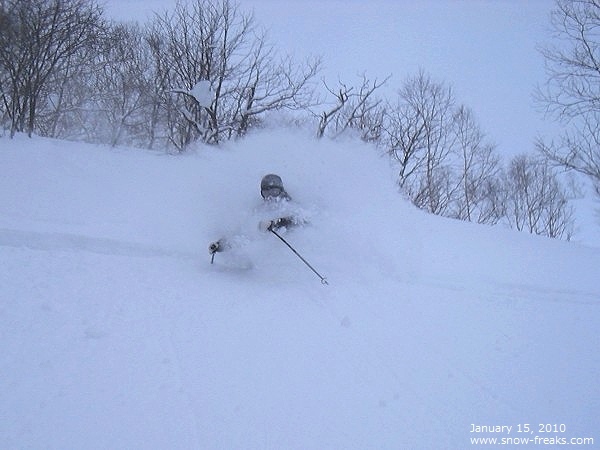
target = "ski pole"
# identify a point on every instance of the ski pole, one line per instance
(322, 278)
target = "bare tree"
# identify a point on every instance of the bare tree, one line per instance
(420, 139)
(122, 84)
(535, 199)
(477, 168)
(572, 91)
(164, 126)
(446, 165)
(270, 84)
(217, 43)
(61, 111)
(37, 38)
(492, 207)
(185, 47)
(577, 149)
(354, 108)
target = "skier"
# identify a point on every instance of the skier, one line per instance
(274, 195)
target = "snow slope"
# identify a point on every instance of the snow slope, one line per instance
(117, 332)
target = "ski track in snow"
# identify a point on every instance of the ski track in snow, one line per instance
(506, 292)
(54, 241)
(519, 292)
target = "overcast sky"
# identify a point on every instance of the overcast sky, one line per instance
(486, 49)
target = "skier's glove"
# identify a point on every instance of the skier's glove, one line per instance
(215, 247)
(271, 225)
(265, 225)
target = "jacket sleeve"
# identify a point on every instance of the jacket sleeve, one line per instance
(284, 222)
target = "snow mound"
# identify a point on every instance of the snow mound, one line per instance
(202, 93)
(119, 333)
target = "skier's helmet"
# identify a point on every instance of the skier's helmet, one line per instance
(271, 187)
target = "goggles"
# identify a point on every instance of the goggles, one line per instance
(272, 191)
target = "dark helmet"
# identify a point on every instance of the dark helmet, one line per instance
(271, 187)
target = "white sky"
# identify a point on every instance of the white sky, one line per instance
(486, 49)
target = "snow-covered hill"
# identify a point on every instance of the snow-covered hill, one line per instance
(117, 332)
